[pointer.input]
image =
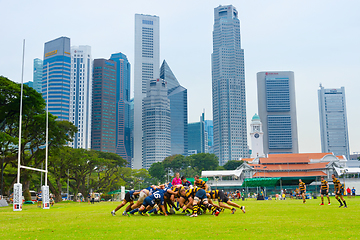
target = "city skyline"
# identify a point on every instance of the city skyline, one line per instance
(304, 43)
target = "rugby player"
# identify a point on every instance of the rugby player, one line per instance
(185, 182)
(339, 191)
(324, 190)
(302, 188)
(200, 183)
(199, 197)
(129, 198)
(150, 201)
(222, 199)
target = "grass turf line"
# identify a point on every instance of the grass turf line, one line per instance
(263, 220)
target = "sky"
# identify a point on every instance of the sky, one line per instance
(318, 40)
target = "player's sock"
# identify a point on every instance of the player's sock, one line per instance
(152, 210)
(340, 202)
(195, 209)
(134, 211)
(344, 203)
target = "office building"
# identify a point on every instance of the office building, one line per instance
(210, 135)
(333, 121)
(228, 87)
(29, 84)
(177, 95)
(277, 111)
(156, 123)
(197, 136)
(123, 129)
(57, 68)
(103, 128)
(146, 67)
(80, 95)
(38, 74)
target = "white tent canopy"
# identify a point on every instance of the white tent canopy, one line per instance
(341, 171)
(222, 173)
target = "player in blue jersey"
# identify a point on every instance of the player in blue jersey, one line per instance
(150, 201)
(129, 198)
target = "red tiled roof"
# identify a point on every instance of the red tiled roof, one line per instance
(272, 167)
(284, 159)
(290, 174)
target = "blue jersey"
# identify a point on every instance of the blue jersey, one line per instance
(187, 184)
(353, 191)
(131, 193)
(158, 196)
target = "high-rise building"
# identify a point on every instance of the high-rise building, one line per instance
(123, 129)
(197, 136)
(80, 95)
(57, 56)
(156, 123)
(177, 95)
(132, 130)
(146, 67)
(103, 127)
(210, 133)
(277, 110)
(333, 121)
(29, 83)
(38, 74)
(228, 87)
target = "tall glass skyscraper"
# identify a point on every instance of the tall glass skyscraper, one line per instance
(146, 67)
(80, 95)
(197, 136)
(38, 74)
(228, 86)
(57, 65)
(156, 123)
(123, 128)
(103, 128)
(178, 106)
(333, 121)
(209, 129)
(277, 110)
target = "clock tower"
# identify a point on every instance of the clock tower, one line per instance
(257, 135)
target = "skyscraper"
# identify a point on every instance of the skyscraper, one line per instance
(333, 121)
(197, 136)
(123, 147)
(146, 67)
(228, 87)
(178, 106)
(156, 123)
(209, 129)
(80, 95)
(38, 74)
(57, 56)
(277, 111)
(103, 128)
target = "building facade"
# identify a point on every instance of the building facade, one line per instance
(333, 121)
(228, 87)
(209, 129)
(146, 67)
(277, 110)
(123, 128)
(103, 128)
(38, 74)
(80, 95)
(156, 123)
(57, 68)
(197, 137)
(177, 95)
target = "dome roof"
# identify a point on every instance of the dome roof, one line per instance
(255, 117)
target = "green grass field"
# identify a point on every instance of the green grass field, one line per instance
(263, 220)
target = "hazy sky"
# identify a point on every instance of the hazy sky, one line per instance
(318, 40)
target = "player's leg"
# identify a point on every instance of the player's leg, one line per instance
(123, 203)
(342, 198)
(195, 207)
(322, 199)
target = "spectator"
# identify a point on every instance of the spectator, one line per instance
(92, 197)
(176, 180)
(348, 190)
(353, 192)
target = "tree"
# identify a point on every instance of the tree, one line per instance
(157, 171)
(204, 161)
(233, 164)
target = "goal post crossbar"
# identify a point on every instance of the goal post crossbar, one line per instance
(35, 169)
